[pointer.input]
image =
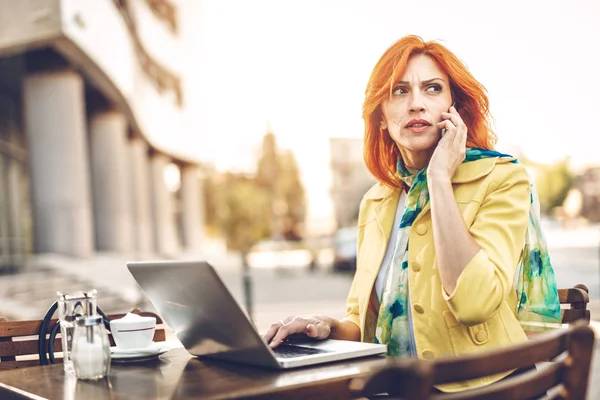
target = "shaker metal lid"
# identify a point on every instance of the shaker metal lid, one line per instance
(89, 321)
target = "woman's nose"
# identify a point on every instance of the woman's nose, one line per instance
(416, 104)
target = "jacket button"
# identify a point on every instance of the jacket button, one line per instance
(481, 336)
(428, 354)
(416, 266)
(419, 308)
(421, 229)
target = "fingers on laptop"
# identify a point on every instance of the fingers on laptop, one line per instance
(313, 327)
(320, 330)
(272, 331)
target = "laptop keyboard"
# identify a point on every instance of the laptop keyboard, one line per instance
(291, 351)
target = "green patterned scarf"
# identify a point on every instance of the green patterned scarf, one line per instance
(538, 306)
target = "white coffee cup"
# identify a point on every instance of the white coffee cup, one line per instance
(133, 331)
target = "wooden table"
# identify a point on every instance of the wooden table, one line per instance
(177, 375)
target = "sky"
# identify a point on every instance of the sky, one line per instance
(302, 66)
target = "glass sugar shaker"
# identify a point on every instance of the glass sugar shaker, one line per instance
(91, 348)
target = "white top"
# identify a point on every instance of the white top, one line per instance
(389, 252)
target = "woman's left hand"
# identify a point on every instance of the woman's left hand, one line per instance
(451, 149)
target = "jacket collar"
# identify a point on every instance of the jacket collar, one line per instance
(471, 171)
(380, 192)
(466, 172)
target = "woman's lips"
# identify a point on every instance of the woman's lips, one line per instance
(418, 128)
(418, 125)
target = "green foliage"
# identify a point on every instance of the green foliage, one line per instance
(553, 182)
(236, 209)
(292, 192)
(245, 209)
(243, 212)
(279, 174)
(211, 187)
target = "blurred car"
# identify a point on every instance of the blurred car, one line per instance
(344, 249)
(280, 254)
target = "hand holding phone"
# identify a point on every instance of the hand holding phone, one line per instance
(444, 129)
(451, 148)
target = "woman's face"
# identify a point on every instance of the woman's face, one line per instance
(415, 108)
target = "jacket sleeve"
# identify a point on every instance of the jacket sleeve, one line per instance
(352, 306)
(499, 228)
(352, 311)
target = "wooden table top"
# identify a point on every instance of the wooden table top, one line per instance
(177, 375)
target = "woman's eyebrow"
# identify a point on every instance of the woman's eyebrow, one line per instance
(423, 83)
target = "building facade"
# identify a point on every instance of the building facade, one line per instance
(88, 91)
(350, 179)
(588, 183)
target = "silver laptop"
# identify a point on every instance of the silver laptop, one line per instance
(208, 321)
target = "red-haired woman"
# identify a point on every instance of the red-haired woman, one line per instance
(441, 236)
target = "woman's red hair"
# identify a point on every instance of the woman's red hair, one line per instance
(380, 151)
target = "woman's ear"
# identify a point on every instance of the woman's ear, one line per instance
(383, 124)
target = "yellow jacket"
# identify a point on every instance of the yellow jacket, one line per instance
(493, 196)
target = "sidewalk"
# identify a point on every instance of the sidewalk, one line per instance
(577, 236)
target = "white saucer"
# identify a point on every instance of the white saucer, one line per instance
(138, 355)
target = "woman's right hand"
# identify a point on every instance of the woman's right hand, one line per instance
(314, 326)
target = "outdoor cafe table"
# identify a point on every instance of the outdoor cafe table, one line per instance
(177, 375)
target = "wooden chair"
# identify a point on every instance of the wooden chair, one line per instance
(573, 306)
(565, 377)
(574, 303)
(411, 378)
(19, 340)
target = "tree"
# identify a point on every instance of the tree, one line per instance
(211, 190)
(553, 182)
(279, 175)
(245, 208)
(293, 196)
(238, 208)
(244, 213)
(267, 175)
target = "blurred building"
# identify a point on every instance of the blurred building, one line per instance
(588, 183)
(350, 179)
(87, 91)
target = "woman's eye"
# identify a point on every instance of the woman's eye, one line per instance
(400, 90)
(434, 88)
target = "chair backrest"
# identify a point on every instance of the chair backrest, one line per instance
(574, 303)
(19, 340)
(403, 379)
(566, 375)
